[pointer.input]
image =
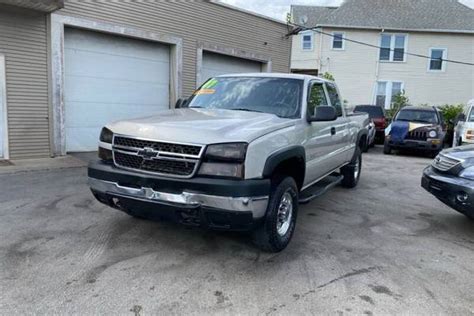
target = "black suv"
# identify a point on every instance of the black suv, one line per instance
(451, 179)
(418, 128)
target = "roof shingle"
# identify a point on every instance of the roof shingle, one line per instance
(420, 15)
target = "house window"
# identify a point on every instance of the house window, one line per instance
(381, 93)
(307, 41)
(392, 47)
(386, 92)
(338, 41)
(436, 62)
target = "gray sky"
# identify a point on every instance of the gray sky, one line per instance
(278, 8)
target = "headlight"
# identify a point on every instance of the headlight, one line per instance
(467, 173)
(106, 135)
(227, 152)
(105, 154)
(470, 134)
(224, 160)
(222, 169)
(432, 134)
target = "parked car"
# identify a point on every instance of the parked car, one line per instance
(451, 179)
(241, 156)
(464, 129)
(377, 115)
(419, 128)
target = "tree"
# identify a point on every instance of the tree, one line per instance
(399, 101)
(328, 76)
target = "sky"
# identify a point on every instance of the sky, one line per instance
(279, 8)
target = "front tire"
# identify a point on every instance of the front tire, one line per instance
(279, 224)
(351, 172)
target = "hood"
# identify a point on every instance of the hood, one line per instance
(202, 126)
(462, 152)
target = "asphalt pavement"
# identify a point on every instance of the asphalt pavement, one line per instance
(385, 247)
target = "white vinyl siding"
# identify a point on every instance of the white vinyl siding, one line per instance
(23, 42)
(393, 47)
(338, 41)
(110, 78)
(216, 64)
(436, 63)
(3, 110)
(357, 69)
(307, 41)
(386, 91)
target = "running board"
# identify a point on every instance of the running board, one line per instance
(320, 187)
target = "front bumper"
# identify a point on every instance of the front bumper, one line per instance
(213, 203)
(447, 188)
(424, 145)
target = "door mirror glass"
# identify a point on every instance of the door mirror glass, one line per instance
(460, 118)
(181, 103)
(323, 113)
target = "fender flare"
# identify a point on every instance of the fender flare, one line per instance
(281, 155)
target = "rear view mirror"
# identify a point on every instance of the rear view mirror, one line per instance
(181, 103)
(323, 113)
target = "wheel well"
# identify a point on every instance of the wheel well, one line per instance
(293, 167)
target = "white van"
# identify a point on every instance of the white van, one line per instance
(464, 129)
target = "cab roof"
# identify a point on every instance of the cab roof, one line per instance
(275, 75)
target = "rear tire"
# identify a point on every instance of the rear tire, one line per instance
(365, 145)
(351, 172)
(279, 224)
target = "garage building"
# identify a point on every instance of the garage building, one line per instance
(67, 68)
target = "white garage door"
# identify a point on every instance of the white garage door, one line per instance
(109, 78)
(217, 64)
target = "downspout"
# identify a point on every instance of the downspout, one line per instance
(320, 51)
(377, 70)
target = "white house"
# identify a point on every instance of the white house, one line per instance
(437, 29)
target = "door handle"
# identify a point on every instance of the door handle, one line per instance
(333, 131)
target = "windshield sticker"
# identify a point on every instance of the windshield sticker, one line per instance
(210, 84)
(205, 91)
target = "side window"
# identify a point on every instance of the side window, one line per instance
(334, 97)
(317, 97)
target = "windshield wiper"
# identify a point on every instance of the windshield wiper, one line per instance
(244, 109)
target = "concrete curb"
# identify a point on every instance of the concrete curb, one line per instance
(43, 164)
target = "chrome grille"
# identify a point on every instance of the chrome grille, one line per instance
(170, 159)
(417, 135)
(190, 150)
(444, 163)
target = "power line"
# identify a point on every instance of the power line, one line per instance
(302, 28)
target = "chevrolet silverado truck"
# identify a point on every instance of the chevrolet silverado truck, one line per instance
(239, 154)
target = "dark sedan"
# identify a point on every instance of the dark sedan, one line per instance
(450, 178)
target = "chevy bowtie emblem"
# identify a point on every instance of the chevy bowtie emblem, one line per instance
(147, 153)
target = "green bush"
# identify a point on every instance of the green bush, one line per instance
(450, 112)
(327, 76)
(399, 101)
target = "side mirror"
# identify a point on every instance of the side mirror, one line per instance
(181, 103)
(323, 113)
(460, 118)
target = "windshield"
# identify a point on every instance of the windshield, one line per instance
(279, 96)
(421, 116)
(471, 115)
(373, 111)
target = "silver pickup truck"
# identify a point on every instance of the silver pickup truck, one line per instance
(239, 154)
